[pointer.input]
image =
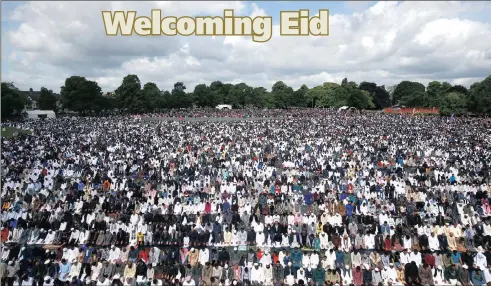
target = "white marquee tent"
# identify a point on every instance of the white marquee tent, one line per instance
(36, 114)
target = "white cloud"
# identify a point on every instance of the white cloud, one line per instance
(385, 43)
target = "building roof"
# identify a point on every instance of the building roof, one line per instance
(34, 95)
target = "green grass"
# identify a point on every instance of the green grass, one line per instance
(9, 131)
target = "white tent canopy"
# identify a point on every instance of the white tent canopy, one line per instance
(347, 108)
(36, 114)
(224, 106)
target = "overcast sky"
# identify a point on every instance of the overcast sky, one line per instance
(43, 43)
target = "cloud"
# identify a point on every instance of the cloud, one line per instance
(385, 43)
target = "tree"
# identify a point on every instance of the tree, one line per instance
(111, 101)
(347, 94)
(47, 99)
(329, 94)
(460, 89)
(344, 82)
(165, 101)
(130, 95)
(380, 97)
(415, 99)
(13, 102)
(453, 103)
(84, 96)
(179, 97)
(436, 92)
(300, 96)
(359, 99)
(261, 98)
(480, 97)
(390, 89)
(217, 92)
(282, 94)
(241, 95)
(405, 91)
(203, 96)
(151, 96)
(318, 96)
(81, 95)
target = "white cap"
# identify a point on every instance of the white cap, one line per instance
(465, 266)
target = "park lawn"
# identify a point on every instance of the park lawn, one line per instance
(9, 131)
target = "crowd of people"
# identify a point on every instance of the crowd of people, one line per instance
(333, 199)
(241, 113)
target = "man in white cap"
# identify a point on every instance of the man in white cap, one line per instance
(114, 254)
(257, 275)
(289, 274)
(465, 276)
(75, 269)
(116, 279)
(48, 281)
(391, 273)
(346, 275)
(384, 274)
(480, 259)
(74, 236)
(376, 276)
(438, 276)
(204, 255)
(301, 274)
(188, 281)
(268, 274)
(404, 256)
(487, 273)
(266, 258)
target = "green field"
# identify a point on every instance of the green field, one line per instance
(9, 131)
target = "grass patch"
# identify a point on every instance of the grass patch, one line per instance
(8, 132)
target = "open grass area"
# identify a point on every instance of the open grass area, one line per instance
(8, 132)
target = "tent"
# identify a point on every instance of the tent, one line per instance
(224, 106)
(347, 108)
(36, 114)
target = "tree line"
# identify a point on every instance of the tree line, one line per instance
(86, 97)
